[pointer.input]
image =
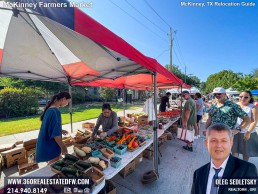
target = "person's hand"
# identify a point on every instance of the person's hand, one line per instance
(235, 131)
(103, 135)
(247, 135)
(64, 150)
(64, 132)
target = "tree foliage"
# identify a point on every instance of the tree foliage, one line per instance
(225, 79)
(246, 83)
(18, 102)
(107, 93)
(47, 88)
(190, 80)
(255, 73)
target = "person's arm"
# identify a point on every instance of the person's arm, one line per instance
(96, 128)
(114, 124)
(59, 141)
(253, 123)
(246, 121)
(208, 123)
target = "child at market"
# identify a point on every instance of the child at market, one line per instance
(49, 143)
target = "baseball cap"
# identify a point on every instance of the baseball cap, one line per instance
(219, 90)
(185, 92)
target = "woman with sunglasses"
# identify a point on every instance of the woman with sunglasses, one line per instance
(108, 120)
(246, 141)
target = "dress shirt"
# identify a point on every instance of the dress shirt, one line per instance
(212, 173)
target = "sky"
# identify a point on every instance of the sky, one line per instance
(206, 39)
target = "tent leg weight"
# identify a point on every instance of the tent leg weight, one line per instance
(149, 177)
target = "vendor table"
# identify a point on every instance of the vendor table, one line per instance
(47, 172)
(110, 172)
(129, 156)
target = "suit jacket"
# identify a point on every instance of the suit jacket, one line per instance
(235, 168)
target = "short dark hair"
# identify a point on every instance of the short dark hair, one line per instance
(219, 127)
(198, 95)
(168, 93)
(106, 106)
(185, 92)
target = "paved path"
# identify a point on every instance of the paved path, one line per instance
(176, 167)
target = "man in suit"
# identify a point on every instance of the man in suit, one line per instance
(219, 140)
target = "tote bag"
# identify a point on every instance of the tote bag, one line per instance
(185, 135)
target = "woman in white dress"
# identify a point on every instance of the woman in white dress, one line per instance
(246, 141)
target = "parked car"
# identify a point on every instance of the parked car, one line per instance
(43, 101)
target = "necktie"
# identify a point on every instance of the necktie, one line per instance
(214, 188)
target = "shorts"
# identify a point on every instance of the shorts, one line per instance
(199, 117)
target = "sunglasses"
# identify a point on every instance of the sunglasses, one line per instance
(245, 97)
(218, 94)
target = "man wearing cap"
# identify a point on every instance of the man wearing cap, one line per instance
(226, 112)
(189, 116)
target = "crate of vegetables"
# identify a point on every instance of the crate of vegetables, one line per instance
(120, 149)
(115, 161)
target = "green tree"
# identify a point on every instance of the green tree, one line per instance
(190, 80)
(246, 83)
(47, 88)
(255, 73)
(107, 93)
(225, 79)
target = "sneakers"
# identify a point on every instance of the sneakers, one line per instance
(196, 137)
(190, 149)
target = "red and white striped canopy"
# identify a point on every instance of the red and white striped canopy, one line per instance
(35, 47)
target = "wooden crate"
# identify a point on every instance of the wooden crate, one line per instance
(148, 153)
(28, 145)
(88, 125)
(24, 167)
(5, 147)
(162, 139)
(128, 169)
(11, 157)
(169, 135)
(138, 159)
(143, 120)
(31, 151)
(110, 187)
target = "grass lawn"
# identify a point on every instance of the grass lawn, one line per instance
(80, 113)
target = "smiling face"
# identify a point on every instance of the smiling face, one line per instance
(219, 145)
(244, 98)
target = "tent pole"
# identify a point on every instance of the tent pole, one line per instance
(155, 140)
(70, 108)
(181, 106)
(124, 99)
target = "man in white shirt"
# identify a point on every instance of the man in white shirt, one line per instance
(219, 140)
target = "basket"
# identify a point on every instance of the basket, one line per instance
(116, 164)
(83, 166)
(107, 153)
(96, 175)
(99, 167)
(120, 149)
(60, 163)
